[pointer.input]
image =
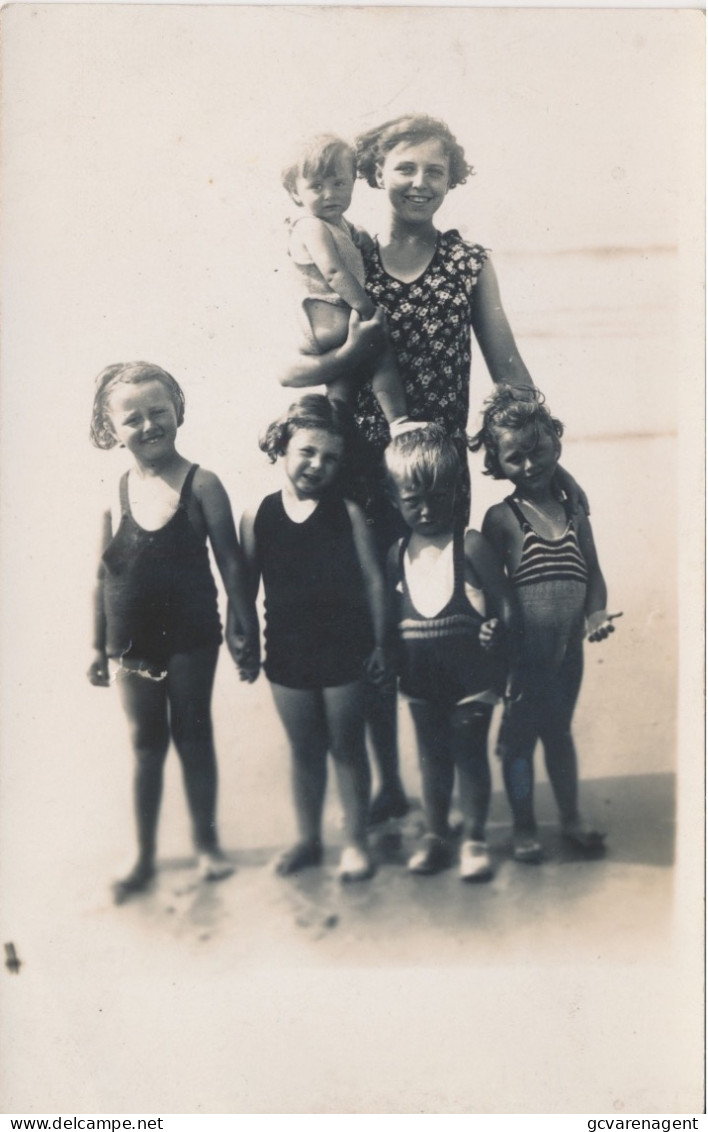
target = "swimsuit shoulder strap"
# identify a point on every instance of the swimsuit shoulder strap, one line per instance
(516, 510)
(186, 493)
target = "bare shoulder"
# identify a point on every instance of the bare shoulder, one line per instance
(497, 520)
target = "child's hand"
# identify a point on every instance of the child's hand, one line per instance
(367, 337)
(377, 666)
(599, 624)
(491, 633)
(246, 653)
(98, 673)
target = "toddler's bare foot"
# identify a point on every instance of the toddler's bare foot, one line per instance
(303, 855)
(137, 880)
(355, 864)
(214, 865)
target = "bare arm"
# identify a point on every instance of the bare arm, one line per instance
(494, 334)
(375, 587)
(353, 361)
(316, 238)
(231, 563)
(98, 669)
(599, 622)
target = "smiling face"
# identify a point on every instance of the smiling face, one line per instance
(529, 457)
(326, 196)
(143, 418)
(312, 460)
(416, 178)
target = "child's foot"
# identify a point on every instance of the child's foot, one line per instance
(589, 841)
(388, 804)
(433, 856)
(475, 864)
(527, 849)
(355, 864)
(137, 881)
(213, 865)
(301, 856)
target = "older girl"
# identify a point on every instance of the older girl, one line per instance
(155, 604)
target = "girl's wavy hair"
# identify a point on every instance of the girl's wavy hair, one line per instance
(372, 146)
(511, 407)
(314, 410)
(316, 157)
(426, 455)
(127, 373)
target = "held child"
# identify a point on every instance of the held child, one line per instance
(155, 608)
(325, 249)
(324, 623)
(445, 583)
(550, 558)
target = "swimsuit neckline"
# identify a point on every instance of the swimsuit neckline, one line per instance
(173, 516)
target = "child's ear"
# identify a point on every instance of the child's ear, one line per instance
(295, 198)
(379, 176)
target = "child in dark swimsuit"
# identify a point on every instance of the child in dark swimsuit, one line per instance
(155, 607)
(550, 558)
(324, 623)
(444, 584)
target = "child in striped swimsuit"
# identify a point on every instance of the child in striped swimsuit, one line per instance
(549, 556)
(444, 584)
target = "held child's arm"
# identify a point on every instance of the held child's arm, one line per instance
(317, 239)
(599, 622)
(98, 669)
(230, 560)
(375, 590)
(352, 361)
(248, 546)
(484, 569)
(494, 334)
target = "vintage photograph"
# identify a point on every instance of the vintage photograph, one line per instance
(352, 525)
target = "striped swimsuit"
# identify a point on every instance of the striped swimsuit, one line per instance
(440, 657)
(551, 586)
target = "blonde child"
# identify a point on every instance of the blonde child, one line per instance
(550, 559)
(445, 583)
(155, 605)
(325, 249)
(324, 623)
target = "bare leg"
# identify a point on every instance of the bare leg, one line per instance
(432, 727)
(470, 728)
(381, 707)
(190, 682)
(555, 719)
(517, 743)
(344, 708)
(387, 386)
(326, 326)
(302, 715)
(145, 705)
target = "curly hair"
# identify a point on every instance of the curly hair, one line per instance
(316, 157)
(128, 373)
(372, 146)
(314, 410)
(427, 456)
(511, 407)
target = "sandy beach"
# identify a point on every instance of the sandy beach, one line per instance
(570, 987)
